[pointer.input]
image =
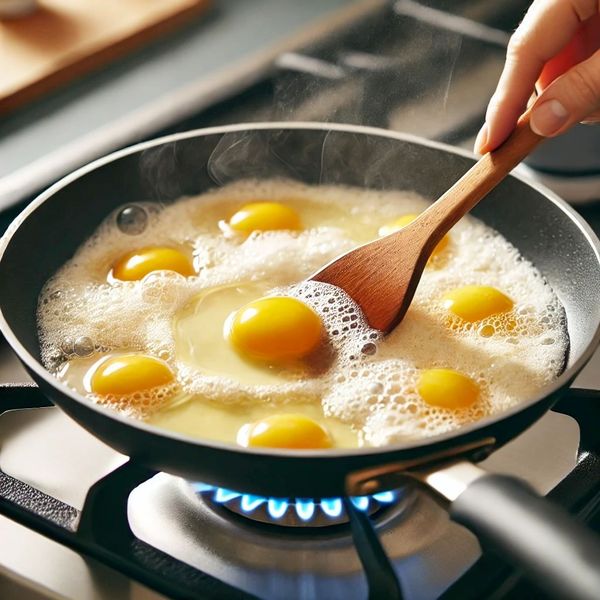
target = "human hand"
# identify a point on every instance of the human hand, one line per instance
(555, 50)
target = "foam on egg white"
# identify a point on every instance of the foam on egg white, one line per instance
(371, 382)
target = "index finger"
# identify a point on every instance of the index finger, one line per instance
(545, 30)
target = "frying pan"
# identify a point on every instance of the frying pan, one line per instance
(562, 555)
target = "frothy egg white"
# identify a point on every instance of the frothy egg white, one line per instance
(364, 388)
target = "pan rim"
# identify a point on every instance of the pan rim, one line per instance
(32, 363)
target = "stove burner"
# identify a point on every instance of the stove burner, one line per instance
(294, 512)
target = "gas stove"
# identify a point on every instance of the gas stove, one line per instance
(82, 521)
(79, 520)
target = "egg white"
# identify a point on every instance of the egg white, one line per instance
(371, 396)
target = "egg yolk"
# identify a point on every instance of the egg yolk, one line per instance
(129, 373)
(264, 216)
(403, 221)
(274, 329)
(285, 431)
(137, 264)
(476, 302)
(447, 388)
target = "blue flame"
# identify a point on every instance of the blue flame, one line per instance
(249, 503)
(332, 507)
(361, 502)
(304, 508)
(277, 507)
(385, 497)
(222, 495)
(203, 487)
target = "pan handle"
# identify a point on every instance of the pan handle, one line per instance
(555, 551)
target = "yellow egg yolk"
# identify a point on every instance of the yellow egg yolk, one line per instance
(476, 302)
(403, 221)
(274, 329)
(447, 388)
(129, 373)
(137, 264)
(264, 216)
(285, 431)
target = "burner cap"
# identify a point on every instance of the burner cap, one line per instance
(294, 512)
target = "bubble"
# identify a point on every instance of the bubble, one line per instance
(487, 331)
(132, 220)
(369, 349)
(376, 387)
(66, 346)
(83, 346)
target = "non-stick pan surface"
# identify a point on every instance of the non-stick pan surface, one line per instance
(48, 232)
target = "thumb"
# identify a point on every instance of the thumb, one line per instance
(572, 97)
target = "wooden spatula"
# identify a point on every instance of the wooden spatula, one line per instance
(382, 276)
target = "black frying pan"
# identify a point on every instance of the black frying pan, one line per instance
(563, 555)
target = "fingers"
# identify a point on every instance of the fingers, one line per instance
(583, 44)
(572, 97)
(592, 119)
(547, 28)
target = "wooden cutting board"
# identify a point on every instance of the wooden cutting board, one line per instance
(66, 38)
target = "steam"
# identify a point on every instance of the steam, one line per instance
(326, 157)
(456, 54)
(400, 68)
(159, 169)
(266, 154)
(247, 155)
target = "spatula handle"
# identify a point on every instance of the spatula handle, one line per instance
(478, 181)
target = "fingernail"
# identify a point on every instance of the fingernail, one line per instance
(548, 117)
(481, 139)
